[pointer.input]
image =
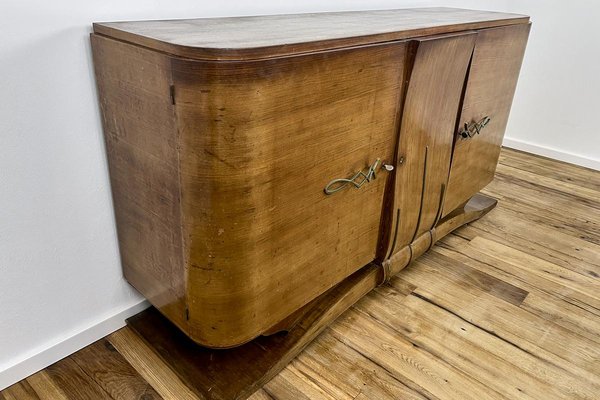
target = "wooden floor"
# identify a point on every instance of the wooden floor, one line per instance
(506, 307)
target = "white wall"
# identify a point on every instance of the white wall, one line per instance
(557, 103)
(60, 280)
(558, 95)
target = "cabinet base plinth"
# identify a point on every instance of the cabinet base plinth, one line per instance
(238, 372)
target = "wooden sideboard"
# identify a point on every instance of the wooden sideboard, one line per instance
(258, 162)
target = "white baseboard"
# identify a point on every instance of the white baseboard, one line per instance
(70, 345)
(552, 153)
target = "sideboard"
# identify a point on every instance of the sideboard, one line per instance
(257, 163)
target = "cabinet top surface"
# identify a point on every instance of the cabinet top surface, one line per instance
(259, 37)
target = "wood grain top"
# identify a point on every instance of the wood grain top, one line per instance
(258, 37)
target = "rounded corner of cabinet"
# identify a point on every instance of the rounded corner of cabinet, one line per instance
(224, 332)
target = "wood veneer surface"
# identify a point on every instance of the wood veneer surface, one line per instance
(259, 142)
(427, 132)
(218, 167)
(489, 92)
(277, 35)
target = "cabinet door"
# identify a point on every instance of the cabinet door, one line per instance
(426, 135)
(490, 88)
(260, 142)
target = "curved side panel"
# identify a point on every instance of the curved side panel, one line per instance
(259, 141)
(140, 131)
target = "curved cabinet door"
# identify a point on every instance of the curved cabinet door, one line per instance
(490, 88)
(259, 143)
(426, 134)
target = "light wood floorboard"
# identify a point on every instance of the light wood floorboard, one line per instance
(507, 307)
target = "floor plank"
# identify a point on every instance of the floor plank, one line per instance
(74, 382)
(458, 248)
(337, 364)
(549, 243)
(507, 307)
(107, 367)
(543, 166)
(524, 330)
(150, 366)
(19, 391)
(451, 339)
(542, 200)
(409, 363)
(45, 387)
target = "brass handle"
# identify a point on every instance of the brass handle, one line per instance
(473, 128)
(357, 180)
